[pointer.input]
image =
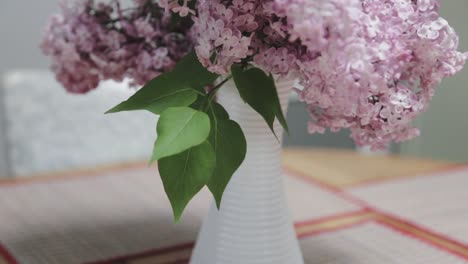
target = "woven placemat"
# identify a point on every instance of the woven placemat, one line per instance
(108, 214)
(438, 201)
(123, 216)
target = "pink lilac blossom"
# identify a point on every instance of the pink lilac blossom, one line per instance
(370, 66)
(229, 32)
(217, 32)
(183, 9)
(89, 42)
(378, 66)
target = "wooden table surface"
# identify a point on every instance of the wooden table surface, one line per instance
(344, 168)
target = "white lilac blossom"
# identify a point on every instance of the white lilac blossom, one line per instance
(89, 42)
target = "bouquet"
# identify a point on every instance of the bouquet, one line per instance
(370, 66)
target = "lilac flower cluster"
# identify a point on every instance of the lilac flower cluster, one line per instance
(89, 42)
(384, 75)
(229, 32)
(175, 6)
(370, 66)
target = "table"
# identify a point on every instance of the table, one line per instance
(344, 168)
(348, 208)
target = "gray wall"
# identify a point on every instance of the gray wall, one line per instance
(21, 27)
(21, 24)
(444, 128)
(4, 169)
(298, 135)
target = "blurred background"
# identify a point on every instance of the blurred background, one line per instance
(44, 129)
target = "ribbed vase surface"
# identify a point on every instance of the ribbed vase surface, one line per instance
(254, 224)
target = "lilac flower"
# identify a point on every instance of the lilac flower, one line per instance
(370, 66)
(229, 32)
(89, 42)
(174, 6)
(377, 67)
(215, 29)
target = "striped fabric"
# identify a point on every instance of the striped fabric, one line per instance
(438, 202)
(121, 215)
(115, 213)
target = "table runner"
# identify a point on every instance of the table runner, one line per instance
(122, 216)
(438, 202)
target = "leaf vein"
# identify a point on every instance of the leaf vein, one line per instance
(175, 135)
(167, 95)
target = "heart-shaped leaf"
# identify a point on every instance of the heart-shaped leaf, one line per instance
(177, 88)
(185, 174)
(230, 146)
(259, 91)
(180, 128)
(159, 94)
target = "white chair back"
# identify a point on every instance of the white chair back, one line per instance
(48, 129)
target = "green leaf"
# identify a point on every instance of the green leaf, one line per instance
(230, 147)
(180, 128)
(177, 88)
(162, 92)
(259, 91)
(217, 112)
(185, 174)
(190, 69)
(281, 117)
(200, 103)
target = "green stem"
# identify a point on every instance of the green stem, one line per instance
(213, 92)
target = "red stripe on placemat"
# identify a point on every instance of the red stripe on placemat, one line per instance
(334, 229)
(327, 187)
(437, 172)
(147, 253)
(349, 197)
(330, 218)
(423, 229)
(72, 175)
(424, 240)
(7, 256)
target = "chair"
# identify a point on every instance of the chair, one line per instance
(46, 129)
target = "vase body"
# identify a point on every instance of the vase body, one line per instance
(254, 224)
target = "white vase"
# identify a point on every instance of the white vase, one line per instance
(367, 150)
(254, 224)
